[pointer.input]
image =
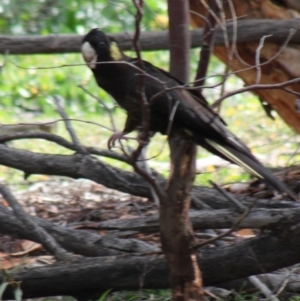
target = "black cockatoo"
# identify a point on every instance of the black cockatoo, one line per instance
(119, 74)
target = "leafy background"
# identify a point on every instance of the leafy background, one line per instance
(26, 94)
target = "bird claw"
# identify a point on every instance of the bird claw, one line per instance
(116, 136)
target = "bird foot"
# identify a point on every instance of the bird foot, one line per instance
(116, 136)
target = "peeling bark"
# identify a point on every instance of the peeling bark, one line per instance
(177, 235)
(280, 69)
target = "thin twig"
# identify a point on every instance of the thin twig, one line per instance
(59, 120)
(102, 103)
(64, 143)
(63, 114)
(283, 284)
(144, 104)
(256, 87)
(171, 117)
(263, 288)
(234, 32)
(292, 92)
(207, 44)
(237, 204)
(223, 86)
(156, 186)
(142, 163)
(198, 203)
(257, 58)
(35, 230)
(183, 86)
(229, 231)
(141, 71)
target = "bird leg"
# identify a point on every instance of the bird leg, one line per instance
(116, 136)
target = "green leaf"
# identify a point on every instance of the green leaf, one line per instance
(2, 288)
(104, 295)
(18, 294)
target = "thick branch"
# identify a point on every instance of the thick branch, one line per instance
(253, 256)
(64, 143)
(207, 43)
(83, 166)
(177, 235)
(201, 220)
(248, 30)
(74, 166)
(76, 241)
(38, 233)
(84, 243)
(179, 39)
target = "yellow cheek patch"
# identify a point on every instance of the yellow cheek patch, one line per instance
(115, 52)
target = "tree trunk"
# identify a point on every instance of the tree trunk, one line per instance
(177, 235)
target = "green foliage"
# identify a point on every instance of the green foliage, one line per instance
(24, 90)
(31, 89)
(157, 295)
(3, 287)
(243, 296)
(70, 16)
(18, 293)
(104, 295)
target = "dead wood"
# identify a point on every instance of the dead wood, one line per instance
(92, 244)
(76, 241)
(201, 220)
(285, 282)
(176, 231)
(260, 62)
(248, 30)
(275, 249)
(267, 252)
(38, 233)
(74, 166)
(88, 167)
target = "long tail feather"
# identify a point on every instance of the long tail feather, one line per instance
(250, 164)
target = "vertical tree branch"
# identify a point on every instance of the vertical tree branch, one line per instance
(179, 39)
(42, 236)
(177, 235)
(207, 45)
(145, 133)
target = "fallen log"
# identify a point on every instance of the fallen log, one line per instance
(267, 252)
